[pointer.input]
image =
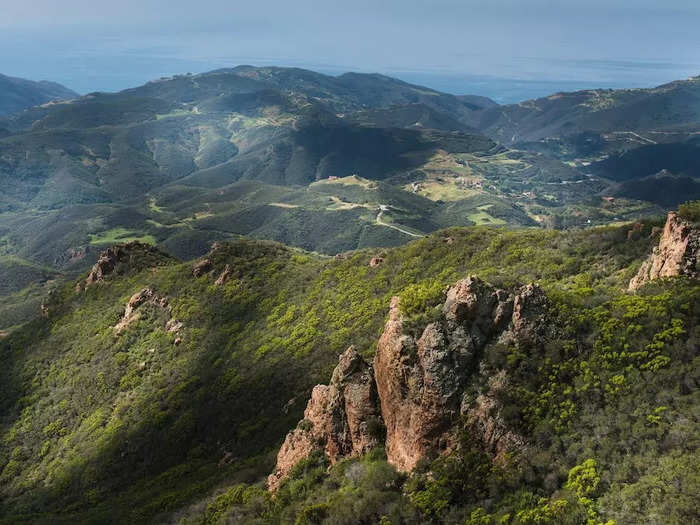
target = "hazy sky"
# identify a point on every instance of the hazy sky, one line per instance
(450, 44)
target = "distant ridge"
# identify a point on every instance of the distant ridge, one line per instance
(18, 94)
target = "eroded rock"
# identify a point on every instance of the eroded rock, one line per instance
(676, 254)
(417, 387)
(421, 383)
(486, 418)
(221, 280)
(338, 419)
(202, 267)
(147, 295)
(123, 257)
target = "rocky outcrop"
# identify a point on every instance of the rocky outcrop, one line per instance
(528, 324)
(124, 257)
(376, 261)
(418, 385)
(221, 280)
(421, 382)
(677, 253)
(105, 265)
(147, 295)
(341, 418)
(202, 267)
(486, 420)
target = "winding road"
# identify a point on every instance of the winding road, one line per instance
(382, 209)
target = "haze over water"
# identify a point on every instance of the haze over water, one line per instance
(454, 46)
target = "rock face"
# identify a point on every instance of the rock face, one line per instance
(341, 418)
(136, 300)
(221, 280)
(677, 253)
(121, 257)
(485, 418)
(421, 383)
(418, 386)
(375, 261)
(202, 267)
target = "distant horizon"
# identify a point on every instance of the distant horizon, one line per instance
(503, 90)
(509, 50)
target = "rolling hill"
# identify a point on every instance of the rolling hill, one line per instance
(659, 114)
(648, 138)
(18, 94)
(325, 163)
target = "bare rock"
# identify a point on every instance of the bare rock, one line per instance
(202, 267)
(417, 386)
(338, 418)
(147, 295)
(174, 326)
(221, 280)
(105, 265)
(375, 261)
(486, 419)
(123, 257)
(421, 383)
(676, 254)
(530, 313)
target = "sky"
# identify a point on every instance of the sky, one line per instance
(507, 49)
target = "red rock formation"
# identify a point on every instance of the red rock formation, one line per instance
(118, 258)
(420, 383)
(202, 267)
(136, 300)
(337, 419)
(485, 418)
(676, 254)
(224, 276)
(105, 265)
(529, 320)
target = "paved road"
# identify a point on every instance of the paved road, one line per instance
(379, 221)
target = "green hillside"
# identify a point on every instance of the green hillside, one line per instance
(187, 160)
(18, 94)
(157, 421)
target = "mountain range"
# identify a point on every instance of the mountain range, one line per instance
(325, 163)
(271, 296)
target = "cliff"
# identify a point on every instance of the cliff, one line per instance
(676, 254)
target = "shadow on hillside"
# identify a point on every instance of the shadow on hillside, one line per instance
(175, 443)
